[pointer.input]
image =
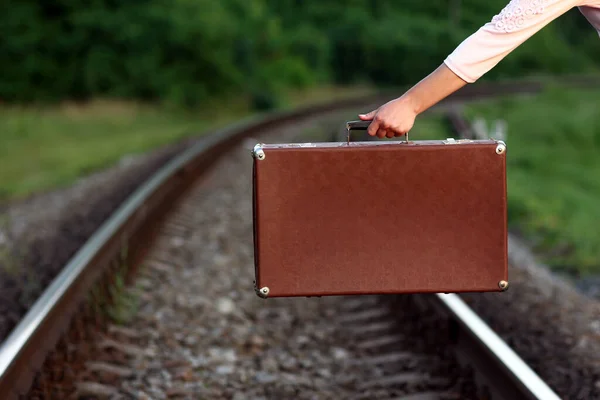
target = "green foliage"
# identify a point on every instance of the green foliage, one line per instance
(51, 147)
(48, 147)
(185, 52)
(553, 173)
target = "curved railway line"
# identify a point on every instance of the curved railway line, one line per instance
(410, 347)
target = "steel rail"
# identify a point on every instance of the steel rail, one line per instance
(24, 350)
(498, 366)
(135, 222)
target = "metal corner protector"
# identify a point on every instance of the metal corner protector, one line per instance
(501, 147)
(263, 292)
(258, 152)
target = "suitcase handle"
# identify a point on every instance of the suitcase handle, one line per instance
(358, 125)
(361, 125)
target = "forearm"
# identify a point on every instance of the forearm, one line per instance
(476, 55)
(435, 87)
(480, 52)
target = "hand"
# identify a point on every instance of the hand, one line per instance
(394, 118)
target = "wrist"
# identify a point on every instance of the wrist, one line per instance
(412, 102)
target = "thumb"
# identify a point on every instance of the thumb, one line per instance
(367, 117)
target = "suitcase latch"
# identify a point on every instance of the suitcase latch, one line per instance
(454, 141)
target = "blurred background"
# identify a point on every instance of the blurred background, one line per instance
(86, 84)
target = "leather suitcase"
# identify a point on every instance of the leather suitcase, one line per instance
(379, 217)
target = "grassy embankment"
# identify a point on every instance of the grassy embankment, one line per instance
(553, 158)
(554, 173)
(43, 148)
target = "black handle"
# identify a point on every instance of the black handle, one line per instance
(357, 125)
(361, 125)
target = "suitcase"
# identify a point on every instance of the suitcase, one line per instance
(379, 217)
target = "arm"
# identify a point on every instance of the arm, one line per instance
(435, 87)
(475, 56)
(516, 23)
(397, 117)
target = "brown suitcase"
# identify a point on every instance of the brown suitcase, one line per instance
(379, 217)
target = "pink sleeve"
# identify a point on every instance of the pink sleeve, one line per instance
(516, 23)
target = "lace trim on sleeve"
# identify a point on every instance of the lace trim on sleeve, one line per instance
(514, 15)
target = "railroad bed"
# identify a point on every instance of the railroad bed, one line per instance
(199, 331)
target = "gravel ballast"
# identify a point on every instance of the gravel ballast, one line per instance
(548, 323)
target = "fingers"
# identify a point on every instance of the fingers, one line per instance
(381, 132)
(380, 127)
(368, 116)
(373, 128)
(389, 132)
(394, 118)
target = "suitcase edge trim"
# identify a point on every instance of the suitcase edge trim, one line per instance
(258, 154)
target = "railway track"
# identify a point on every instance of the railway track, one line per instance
(151, 230)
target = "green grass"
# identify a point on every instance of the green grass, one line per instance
(430, 126)
(45, 148)
(42, 149)
(553, 166)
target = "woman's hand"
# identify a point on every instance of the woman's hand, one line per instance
(395, 118)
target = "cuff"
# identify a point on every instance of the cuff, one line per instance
(461, 74)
